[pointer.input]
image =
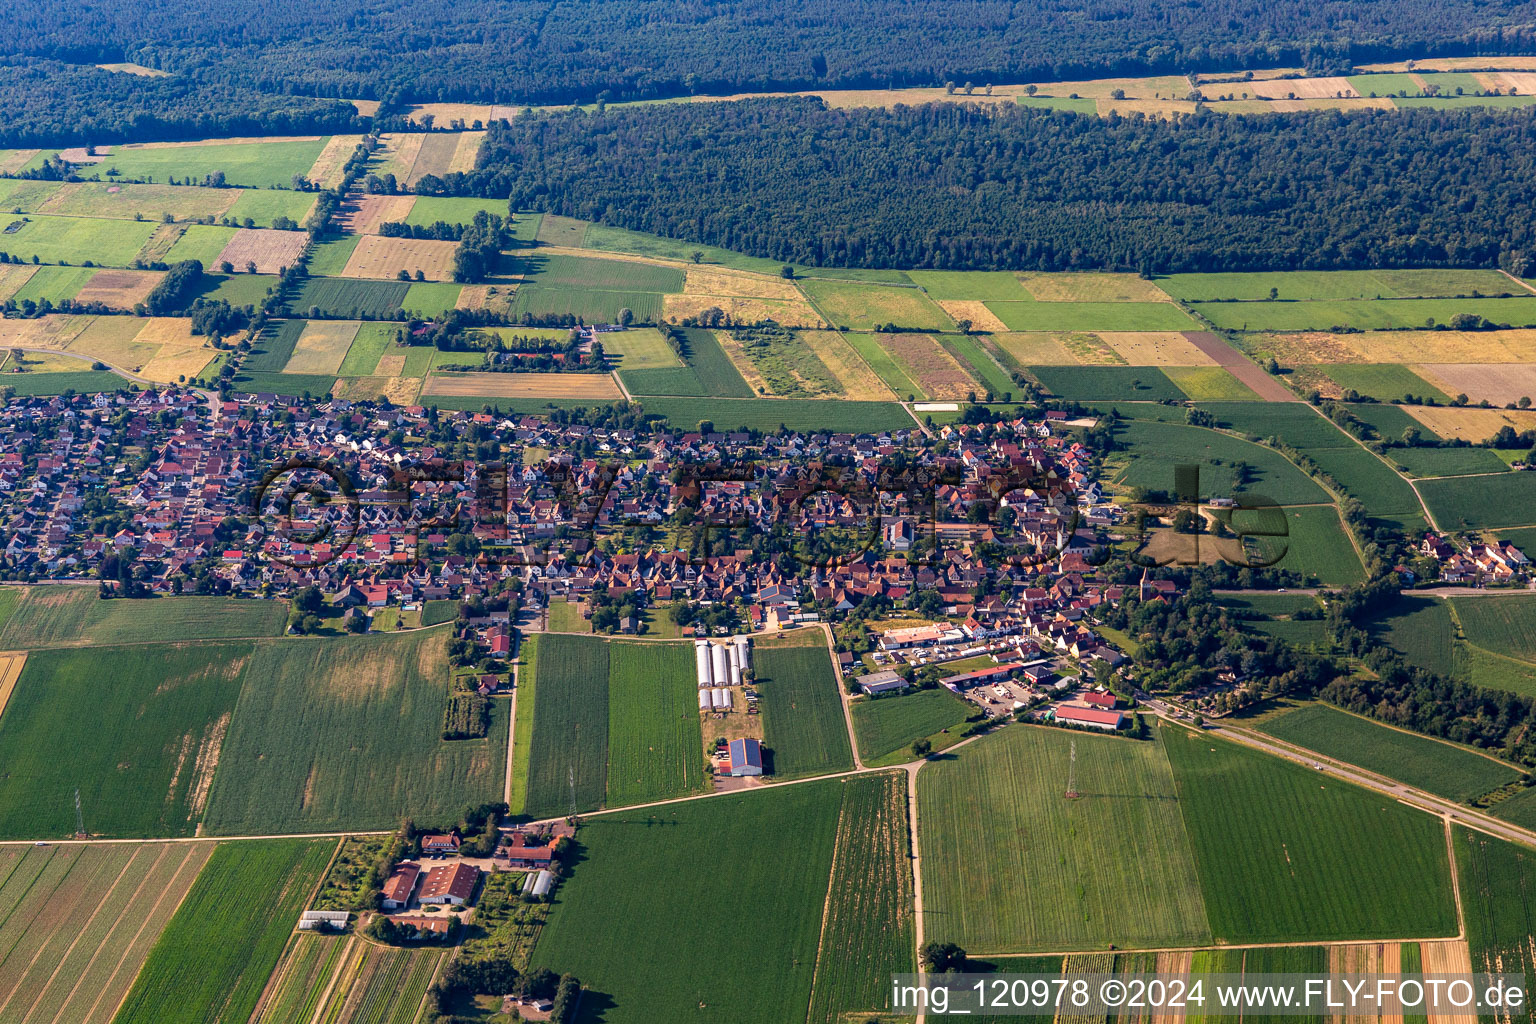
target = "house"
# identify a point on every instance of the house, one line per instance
(401, 883)
(451, 883)
(1100, 700)
(521, 850)
(746, 757)
(440, 846)
(420, 928)
(882, 682)
(1095, 717)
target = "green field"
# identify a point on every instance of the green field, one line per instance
(590, 306)
(1493, 671)
(1384, 382)
(1456, 773)
(1093, 316)
(143, 749)
(428, 210)
(945, 285)
(604, 238)
(56, 616)
(239, 289)
(867, 934)
(307, 969)
(294, 385)
(283, 769)
(1458, 461)
(885, 366)
(329, 258)
(1107, 383)
(1490, 502)
(362, 358)
(1153, 450)
(256, 165)
(864, 307)
(53, 283)
(213, 960)
(886, 727)
(1268, 604)
(430, 299)
(74, 240)
(1418, 628)
(644, 918)
(1365, 315)
(351, 299)
(1010, 865)
(1287, 855)
(1503, 625)
(1497, 882)
(1364, 476)
(568, 752)
(583, 273)
(1389, 421)
(265, 205)
(1388, 84)
(1333, 285)
(768, 414)
(1209, 384)
(1293, 422)
(655, 747)
(803, 728)
(1315, 544)
(81, 382)
(201, 242)
(981, 365)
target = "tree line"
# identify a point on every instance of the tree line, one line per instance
(976, 187)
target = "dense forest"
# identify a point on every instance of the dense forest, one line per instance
(555, 51)
(968, 186)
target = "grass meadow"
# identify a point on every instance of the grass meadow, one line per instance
(1365, 315)
(74, 240)
(1047, 873)
(1288, 855)
(802, 711)
(82, 382)
(264, 205)
(1382, 381)
(143, 747)
(201, 242)
(213, 960)
(976, 285)
(863, 307)
(1333, 285)
(1108, 383)
(867, 932)
(1456, 773)
(349, 298)
(53, 283)
(1092, 316)
(631, 922)
(1418, 628)
(285, 766)
(886, 728)
(268, 164)
(1432, 462)
(1503, 625)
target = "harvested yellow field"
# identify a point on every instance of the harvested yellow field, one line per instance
(328, 166)
(1225, 78)
(597, 387)
(931, 366)
(1164, 87)
(159, 245)
(487, 296)
(397, 154)
(444, 114)
(173, 364)
(502, 112)
(847, 99)
(1499, 383)
(796, 313)
(384, 258)
(1450, 957)
(1523, 82)
(269, 250)
(719, 281)
(1092, 288)
(11, 664)
(167, 330)
(119, 289)
(1454, 64)
(1471, 425)
(111, 339)
(1297, 88)
(860, 383)
(15, 160)
(366, 107)
(1036, 348)
(177, 352)
(42, 362)
(56, 330)
(1515, 346)
(362, 214)
(322, 346)
(397, 390)
(12, 277)
(981, 318)
(1155, 348)
(464, 155)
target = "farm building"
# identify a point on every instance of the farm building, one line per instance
(882, 682)
(521, 850)
(704, 700)
(1095, 717)
(401, 883)
(452, 883)
(992, 674)
(439, 845)
(320, 920)
(720, 699)
(746, 757)
(1100, 700)
(539, 884)
(425, 927)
